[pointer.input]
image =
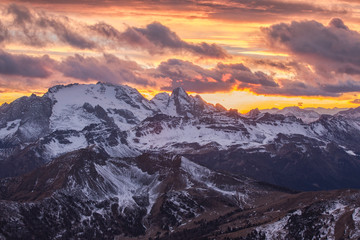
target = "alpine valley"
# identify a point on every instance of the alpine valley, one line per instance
(102, 162)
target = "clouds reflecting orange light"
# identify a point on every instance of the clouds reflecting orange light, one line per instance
(242, 54)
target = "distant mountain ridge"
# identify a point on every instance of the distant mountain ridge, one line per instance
(306, 114)
(272, 147)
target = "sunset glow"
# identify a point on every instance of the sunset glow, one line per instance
(242, 54)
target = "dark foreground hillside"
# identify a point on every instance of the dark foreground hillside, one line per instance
(86, 194)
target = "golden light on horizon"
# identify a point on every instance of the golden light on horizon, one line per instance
(244, 101)
(231, 27)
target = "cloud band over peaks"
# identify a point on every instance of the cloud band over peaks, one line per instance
(156, 39)
(39, 29)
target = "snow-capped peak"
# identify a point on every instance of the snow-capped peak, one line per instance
(119, 103)
(253, 113)
(179, 103)
(179, 92)
(161, 101)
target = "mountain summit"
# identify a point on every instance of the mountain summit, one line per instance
(101, 161)
(119, 120)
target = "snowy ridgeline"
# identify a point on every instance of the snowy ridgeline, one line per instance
(109, 156)
(122, 121)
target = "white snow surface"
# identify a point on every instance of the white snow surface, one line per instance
(68, 112)
(10, 129)
(55, 148)
(161, 101)
(125, 183)
(166, 104)
(352, 113)
(329, 111)
(275, 230)
(306, 115)
(203, 175)
(126, 108)
(226, 132)
(186, 133)
(348, 151)
(319, 110)
(264, 133)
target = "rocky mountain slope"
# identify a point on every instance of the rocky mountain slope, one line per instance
(279, 148)
(101, 161)
(86, 194)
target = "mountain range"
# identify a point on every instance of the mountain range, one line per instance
(101, 161)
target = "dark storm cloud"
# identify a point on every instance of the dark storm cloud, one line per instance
(107, 69)
(156, 38)
(221, 78)
(26, 66)
(335, 45)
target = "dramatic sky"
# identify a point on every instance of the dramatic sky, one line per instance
(240, 53)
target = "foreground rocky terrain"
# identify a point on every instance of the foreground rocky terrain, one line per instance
(101, 161)
(86, 194)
